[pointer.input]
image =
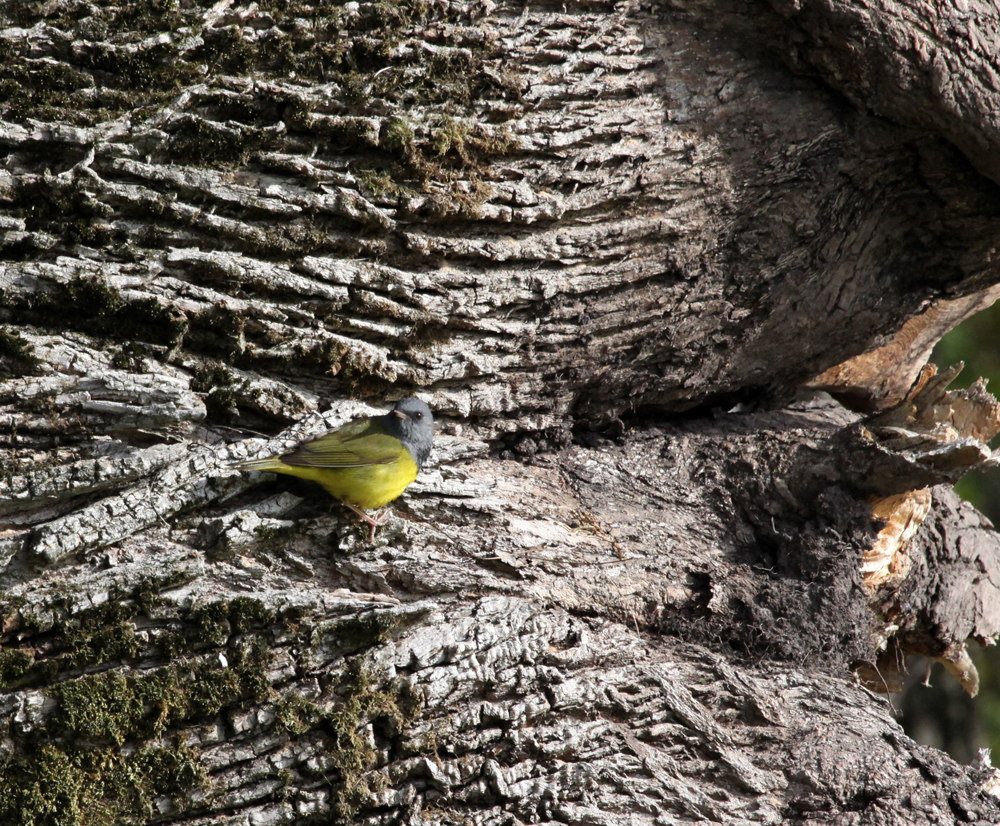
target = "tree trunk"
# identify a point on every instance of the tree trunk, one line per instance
(645, 578)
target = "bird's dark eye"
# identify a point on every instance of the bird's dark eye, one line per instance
(418, 416)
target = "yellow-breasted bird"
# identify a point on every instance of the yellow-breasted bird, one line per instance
(366, 463)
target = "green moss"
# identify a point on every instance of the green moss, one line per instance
(38, 90)
(105, 708)
(91, 234)
(94, 296)
(426, 334)
(466, 140)
(224, 392)
(447, 155)
(377, 182)
(297, 715)
(92, 305)
(102, 634)
(246, 614)
(448, 135)
(112, 708)
(44, 202)
(199, 141)
(354, 49)
(91, 762)
(43, 788)
(108, 79)
(219, 330)
(153, 68)
(15, 666)
(212, 271)
(347, 47)
(152, 321)
(147, 593)
(17, 356)
(212, 689)
(364, 702)
(107, 633)
(358, 374)
(398, 136)
(11, 605)
(227, 52)
(172, 644)
(466, 202)
(129, 356)
(53, 786)
(216, 622)
(210, 624)
(456, 153)
(360, 632)
(95, 636)
(221, 391)
(349, 133)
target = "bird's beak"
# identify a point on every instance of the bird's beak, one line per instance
(400, 414)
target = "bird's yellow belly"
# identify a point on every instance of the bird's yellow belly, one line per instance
(368, 486)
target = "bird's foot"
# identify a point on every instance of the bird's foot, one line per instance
(374, 521)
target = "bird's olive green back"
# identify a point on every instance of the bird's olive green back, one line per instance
(358, 443)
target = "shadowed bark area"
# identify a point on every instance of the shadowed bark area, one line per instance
(641, 579)
(931, 65)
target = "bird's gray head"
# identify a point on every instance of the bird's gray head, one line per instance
(412, 422)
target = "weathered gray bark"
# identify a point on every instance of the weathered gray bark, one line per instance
(581, 233)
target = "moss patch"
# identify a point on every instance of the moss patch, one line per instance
(219, 331)
(107, 634)
(222, 391)
(65, 210)
(216, 622)
(109, 78)
(94, 636)
(56, 787)
(113, 708)
(195, 140)
(297, 715)
(130, 356)
(315, 41)
(72, 771)
(17, 667)
(365, 631)
(436, 160)
(100, 757)
(365, 702)
(102, 634)
(17, 356)
(91, 305)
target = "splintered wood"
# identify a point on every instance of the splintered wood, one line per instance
(950, 431)
(938, 423)
(887, 561)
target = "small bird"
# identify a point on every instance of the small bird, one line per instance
(366, 463)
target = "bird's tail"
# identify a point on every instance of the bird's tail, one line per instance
(270, 463)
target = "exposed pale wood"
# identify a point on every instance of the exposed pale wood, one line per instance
(882, 378)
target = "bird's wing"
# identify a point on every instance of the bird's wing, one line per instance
(356, 444)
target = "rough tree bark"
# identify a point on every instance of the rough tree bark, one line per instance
(645, 579)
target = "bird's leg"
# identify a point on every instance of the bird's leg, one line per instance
(373, 521)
